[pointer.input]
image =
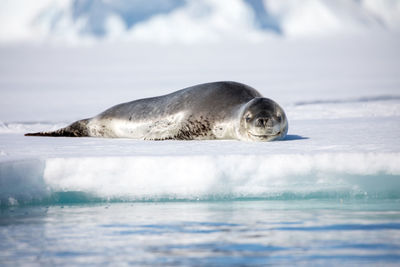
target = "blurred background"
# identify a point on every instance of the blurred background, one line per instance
(64, 59)
(190, 22)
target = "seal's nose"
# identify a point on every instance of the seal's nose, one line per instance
(261, 122)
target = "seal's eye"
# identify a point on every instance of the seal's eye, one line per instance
(248, 118)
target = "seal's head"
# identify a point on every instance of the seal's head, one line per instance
(262, 120)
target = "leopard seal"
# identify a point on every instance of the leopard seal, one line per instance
(217, 110)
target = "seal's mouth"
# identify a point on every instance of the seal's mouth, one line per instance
(265, 136)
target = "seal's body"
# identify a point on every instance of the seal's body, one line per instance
(219, 110)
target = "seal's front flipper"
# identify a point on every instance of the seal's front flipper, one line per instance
(166, 128)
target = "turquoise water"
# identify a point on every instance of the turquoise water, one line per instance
(203, 233)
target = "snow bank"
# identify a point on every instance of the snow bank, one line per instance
(210, 177)
(180, 21)
(312, 18)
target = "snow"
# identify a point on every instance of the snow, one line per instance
(190, 22)
(341, 94)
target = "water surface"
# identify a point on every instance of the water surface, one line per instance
(204, 233)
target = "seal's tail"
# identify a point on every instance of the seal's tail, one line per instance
(76, 129)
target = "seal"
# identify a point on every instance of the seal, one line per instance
(217, 110)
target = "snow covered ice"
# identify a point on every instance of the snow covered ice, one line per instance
(338, 83)
(343, 110)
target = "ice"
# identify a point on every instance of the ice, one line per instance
(341, 95)
(190, 22)
(343, 109)
(341, 158)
